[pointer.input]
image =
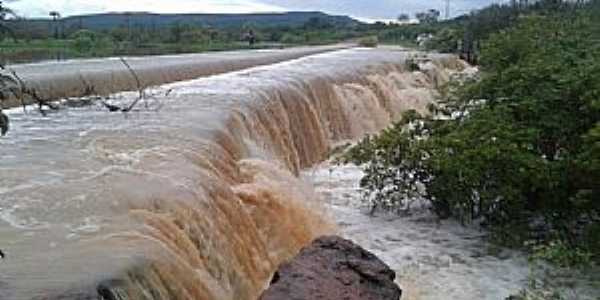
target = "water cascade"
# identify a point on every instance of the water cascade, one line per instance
(200, 200)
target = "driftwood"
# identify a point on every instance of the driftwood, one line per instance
(13, 87)
(140, 88)
(12, 84)
(111, 107)
(142, 95)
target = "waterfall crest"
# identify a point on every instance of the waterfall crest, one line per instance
(202, 200)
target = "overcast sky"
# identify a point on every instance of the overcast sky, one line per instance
(364, 9)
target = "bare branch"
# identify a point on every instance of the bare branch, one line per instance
(138, 82)
(140, 88)
(31, 92)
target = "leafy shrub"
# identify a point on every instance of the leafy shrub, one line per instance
(369, 41)
(83, 44)
(85, 40)
(528, 151)
(562, 254)
(289, 38)
(446, 40)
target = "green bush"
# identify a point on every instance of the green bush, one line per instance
(562, 254)
(369, 41)
(84, 40)
(446, 40)
(289, 38)
(527, 153)
(83, 44)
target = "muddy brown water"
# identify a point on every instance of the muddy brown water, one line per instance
(198, 198)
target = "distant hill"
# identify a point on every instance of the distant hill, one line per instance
(112, 20)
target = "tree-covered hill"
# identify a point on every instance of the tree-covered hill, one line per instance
(109, 21)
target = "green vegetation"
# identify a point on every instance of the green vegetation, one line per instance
(561, 254)
(144, 33)
(518, 150)
(87, 43)
(369, 41)
(4, 13)
(464, 35)
(148, 34)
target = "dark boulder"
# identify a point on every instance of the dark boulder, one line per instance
(332, 268)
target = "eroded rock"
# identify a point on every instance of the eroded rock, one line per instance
(333, 268)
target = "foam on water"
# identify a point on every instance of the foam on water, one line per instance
(434, 259)
(194, 197)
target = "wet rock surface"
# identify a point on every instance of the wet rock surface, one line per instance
(333, 268)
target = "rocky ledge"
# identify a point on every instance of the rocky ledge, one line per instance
(332, 268)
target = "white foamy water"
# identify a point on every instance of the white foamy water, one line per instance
(433, 259)
(191, 195)
(194, 196)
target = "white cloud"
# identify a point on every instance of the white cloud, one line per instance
(367, 9)
(41, 8)
(381, 9)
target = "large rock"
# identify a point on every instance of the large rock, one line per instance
(332, 268)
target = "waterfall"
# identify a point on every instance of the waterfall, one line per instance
(200, 200)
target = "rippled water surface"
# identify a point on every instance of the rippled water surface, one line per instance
(192, 195)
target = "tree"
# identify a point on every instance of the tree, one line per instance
(55, 17)
(128, 23)
(5, 12)
(518, 148)
(403, 18)
(316, 23)
(84, 40)
(177, 30)
(428, 17)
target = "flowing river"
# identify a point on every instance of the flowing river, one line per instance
(207, 187)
